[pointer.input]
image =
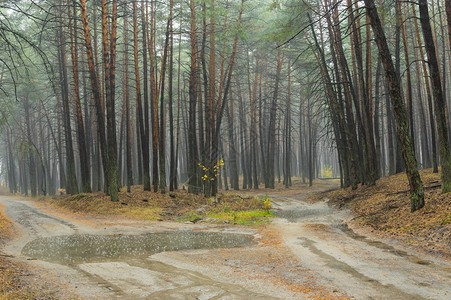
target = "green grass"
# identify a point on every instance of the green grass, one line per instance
(247, 217)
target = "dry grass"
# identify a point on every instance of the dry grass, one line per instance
(6, 228)
(385, 208)
(15, 283)
(147, 205)
(138, 204)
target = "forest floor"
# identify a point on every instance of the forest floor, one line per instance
(308, 243)
(384, 210)
(226, 208)
(19, 280)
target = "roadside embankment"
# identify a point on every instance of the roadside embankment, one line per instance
(384, 209)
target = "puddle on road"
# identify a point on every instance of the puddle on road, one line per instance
(84, 248)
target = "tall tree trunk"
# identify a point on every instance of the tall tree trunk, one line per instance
(71, 180)
(366, 115)
(399, 164)
(272, 126)
(162, 132)
(192, 139)
(172, 162)
(243, 126)
(254, 137)
(416, 185)
(428, 92)
(287, 177)
(11, 164)
(154, 104)
(222, 103)
(110, 53)
(145, 106)
(439, 97)
(232, 147)
(409, 96)
(95, 86)
(82, 150)
(210, 110)
(128, 129)
(376, 118)
(141, 130)
(31, 155)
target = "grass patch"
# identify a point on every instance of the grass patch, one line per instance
(233, 209)
(247, 217)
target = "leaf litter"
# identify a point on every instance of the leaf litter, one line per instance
(385, 209)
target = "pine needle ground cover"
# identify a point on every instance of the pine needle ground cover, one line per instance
(385, 209)
(179, 206)
(16, 279)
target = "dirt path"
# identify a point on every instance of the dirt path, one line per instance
(127, 272)
(363, 267)
(306, 252)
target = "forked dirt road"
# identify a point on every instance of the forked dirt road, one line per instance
(307, 252)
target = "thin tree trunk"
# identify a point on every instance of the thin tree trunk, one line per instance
(154, 104)
(128, 129)
(71, 180)
(145, 105)
(172, 162)
(287, 177)
(162, 128)
(272, 126)
(192, 139)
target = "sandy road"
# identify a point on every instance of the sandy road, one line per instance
(127, 273)
(364, 267)
(315, 256)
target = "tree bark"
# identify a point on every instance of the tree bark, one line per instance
(439, 97)
(192, 139)
(71, 180)
(82, 150)
(416, 185)
(95, 86)
(272, 126)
